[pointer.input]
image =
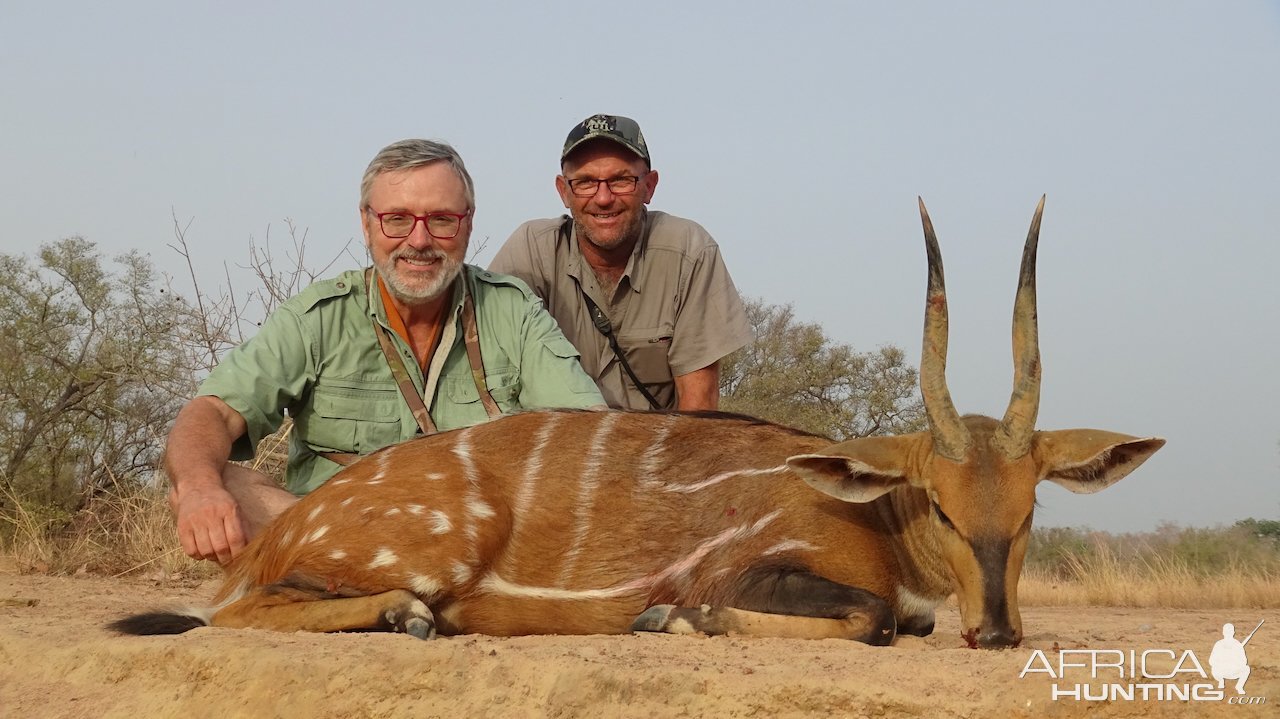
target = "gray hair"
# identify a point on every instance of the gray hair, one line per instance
(408, 154)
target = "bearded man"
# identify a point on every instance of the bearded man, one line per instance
(419, 342)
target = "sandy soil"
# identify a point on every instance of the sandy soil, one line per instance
(56, 660)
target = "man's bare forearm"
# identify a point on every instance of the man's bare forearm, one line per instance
(699, 389)
(200, 444)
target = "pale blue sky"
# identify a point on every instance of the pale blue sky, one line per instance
(799, 135)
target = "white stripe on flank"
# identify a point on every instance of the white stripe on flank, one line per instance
(392, 512)
(685, 565)
(711, 481)
(337, 554)
(316, 534)
(436, 475)
(462, 450)
(532, 470)
(472, 500)
(382, 558)
(416, 509)
(588, 482)
(346, 501)
(529, 487)
(494, 584)
(497, 585)
(650, 461)
(440, 523)
(315, 512)
(383, 461)
(789, 545)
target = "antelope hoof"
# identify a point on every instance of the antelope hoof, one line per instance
(420, 628)
(412, 618)
(653, 619)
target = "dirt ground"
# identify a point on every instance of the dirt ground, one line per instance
(56, 660)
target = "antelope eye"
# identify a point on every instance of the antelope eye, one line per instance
(942, 516)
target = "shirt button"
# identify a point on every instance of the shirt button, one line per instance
(342, 285)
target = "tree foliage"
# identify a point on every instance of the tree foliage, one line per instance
(793, 374)
(95, 366)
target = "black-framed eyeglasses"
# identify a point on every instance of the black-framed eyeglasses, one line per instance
(440, 225)
(587, 186)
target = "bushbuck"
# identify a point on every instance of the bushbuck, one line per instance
(578, 522)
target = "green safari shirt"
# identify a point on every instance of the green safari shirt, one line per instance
(318, 358)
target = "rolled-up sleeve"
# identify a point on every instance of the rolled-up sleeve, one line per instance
(262, 377)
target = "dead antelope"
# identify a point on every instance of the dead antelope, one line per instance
(607, 522)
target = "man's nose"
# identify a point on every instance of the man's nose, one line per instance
(603, 196)
(418, 237)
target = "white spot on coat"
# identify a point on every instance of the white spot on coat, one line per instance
(424, 586)
(440, 523)
(383, 557)
(461, 573)
(337, 554)
(476, 507)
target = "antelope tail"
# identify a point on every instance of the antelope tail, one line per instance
(174, 621)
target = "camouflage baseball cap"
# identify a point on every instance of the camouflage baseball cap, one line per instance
(622, 130)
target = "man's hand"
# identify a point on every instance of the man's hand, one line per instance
(209, 523)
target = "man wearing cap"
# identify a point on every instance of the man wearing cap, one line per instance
(643, 295)
(418, 342)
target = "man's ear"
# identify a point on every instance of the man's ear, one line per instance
(562, 189)
(365, 218)
(859, 470)
(650, 185)
(1090, 460)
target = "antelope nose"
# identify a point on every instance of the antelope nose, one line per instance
(998, 637)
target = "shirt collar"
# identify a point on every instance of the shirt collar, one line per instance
(379, 311)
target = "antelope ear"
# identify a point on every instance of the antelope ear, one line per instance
(1089, 460)
(858, 470)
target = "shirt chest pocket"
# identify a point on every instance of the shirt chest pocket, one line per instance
(352, 419)
(504, 387)
(647, 352)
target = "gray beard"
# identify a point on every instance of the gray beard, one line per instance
(450, 268)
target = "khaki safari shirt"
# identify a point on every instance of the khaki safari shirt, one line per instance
(317, 357)
(675, 309)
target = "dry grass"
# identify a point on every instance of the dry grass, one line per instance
(129, 530)
(1103, 579)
